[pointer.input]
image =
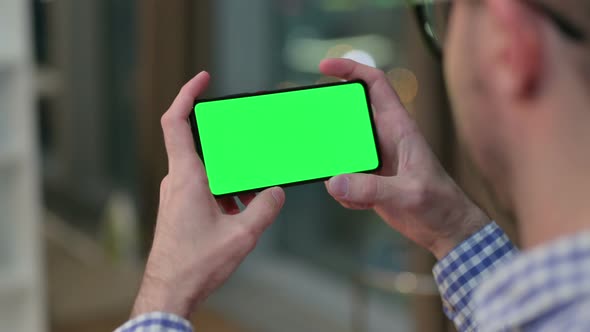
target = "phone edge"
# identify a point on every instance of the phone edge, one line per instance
(199, 148)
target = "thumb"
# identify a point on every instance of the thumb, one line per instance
(359, 189)
(264, 209)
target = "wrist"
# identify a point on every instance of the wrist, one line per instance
(155, 295)
(471, 221)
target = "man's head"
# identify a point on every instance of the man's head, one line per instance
(519, 82)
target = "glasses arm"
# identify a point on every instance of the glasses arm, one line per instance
(425, 29)
(420, 12)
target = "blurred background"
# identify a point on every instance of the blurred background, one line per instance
(83, 85)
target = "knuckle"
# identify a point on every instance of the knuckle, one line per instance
(164, 184)
(420, 197)
(374, 74)
(186, 179)
(165, 120)
(380, 75)
(184, 90)
(261, 211)
(368, 192)
(245, 236)
(181, 183)
(201, 181)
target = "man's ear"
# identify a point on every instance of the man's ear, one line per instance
(519, 52)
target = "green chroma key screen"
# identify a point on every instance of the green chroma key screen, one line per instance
(257, 141)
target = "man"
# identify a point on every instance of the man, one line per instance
(518, 73)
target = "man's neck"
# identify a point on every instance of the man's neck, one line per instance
(551, 188)
(553, 212)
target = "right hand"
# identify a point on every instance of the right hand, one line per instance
(412, 192)
(199, 241)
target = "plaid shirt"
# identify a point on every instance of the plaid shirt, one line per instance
(463, 269)
(156, 322)
(546, 289)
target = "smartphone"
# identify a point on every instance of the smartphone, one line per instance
(250, 142)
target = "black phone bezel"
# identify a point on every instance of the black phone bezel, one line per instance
(199, 148)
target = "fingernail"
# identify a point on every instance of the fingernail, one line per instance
(339, 185)
(277, 194)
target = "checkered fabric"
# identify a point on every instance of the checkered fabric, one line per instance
(156, 322)
(464, 268)
(546, 289)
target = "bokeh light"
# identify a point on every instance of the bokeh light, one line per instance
(406, 282)
(405, 83)
(339, 51)
(361, 56)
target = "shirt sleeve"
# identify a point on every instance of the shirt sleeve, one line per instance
(462, 270)
(156, 322)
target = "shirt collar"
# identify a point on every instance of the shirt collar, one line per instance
(534, 283)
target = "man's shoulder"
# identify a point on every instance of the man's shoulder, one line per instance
(569, 318)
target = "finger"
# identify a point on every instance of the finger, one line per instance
(352, 206)
(346, 204)
(229, 205)
(177, 133)
(360, 190)
(246, 199)
(164, 190)
(382, 94)
(264, 209)
(391, 118)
